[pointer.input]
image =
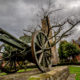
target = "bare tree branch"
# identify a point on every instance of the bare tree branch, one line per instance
(56, 33)
(39, 26)
(59, 25)
(50, 12)
(65, 33)
(73, 25)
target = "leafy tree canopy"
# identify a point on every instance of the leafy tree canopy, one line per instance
(67, 49)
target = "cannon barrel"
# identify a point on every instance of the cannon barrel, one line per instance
(13, 41)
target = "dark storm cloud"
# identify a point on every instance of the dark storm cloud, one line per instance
(16, 15)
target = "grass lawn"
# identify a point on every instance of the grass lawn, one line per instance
(75, 70)
(21, 70)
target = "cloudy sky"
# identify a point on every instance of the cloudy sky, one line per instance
(16, 15)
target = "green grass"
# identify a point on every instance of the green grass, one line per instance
(21, 70)
(2, 74)
(75, 70)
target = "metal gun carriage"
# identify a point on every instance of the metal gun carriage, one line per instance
(39, 52)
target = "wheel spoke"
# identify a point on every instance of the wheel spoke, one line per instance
(11, 65)
(6, 64)
(48, 58)
(47, 62)
(38, 45)
(48, 54)
(38, 52)
(38, 40)
(44, 61)
(40, 58)
(47, 49)
(46, 43)
(43, 39)
(15, 65)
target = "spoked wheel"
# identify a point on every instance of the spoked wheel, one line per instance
(41, 51)
(9, 65)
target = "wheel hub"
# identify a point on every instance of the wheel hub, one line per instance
(43, 49)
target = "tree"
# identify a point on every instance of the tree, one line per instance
(60, 49)
(60, 30)
(67, 50)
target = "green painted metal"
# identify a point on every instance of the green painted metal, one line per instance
(21, 53)
(9, 39)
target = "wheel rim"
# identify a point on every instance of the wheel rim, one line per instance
(9, 65)
(41, 52)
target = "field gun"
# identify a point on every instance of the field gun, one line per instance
(38, 52)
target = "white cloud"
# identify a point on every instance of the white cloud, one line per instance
(78, 28)
(74, 4)
(68, 4)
